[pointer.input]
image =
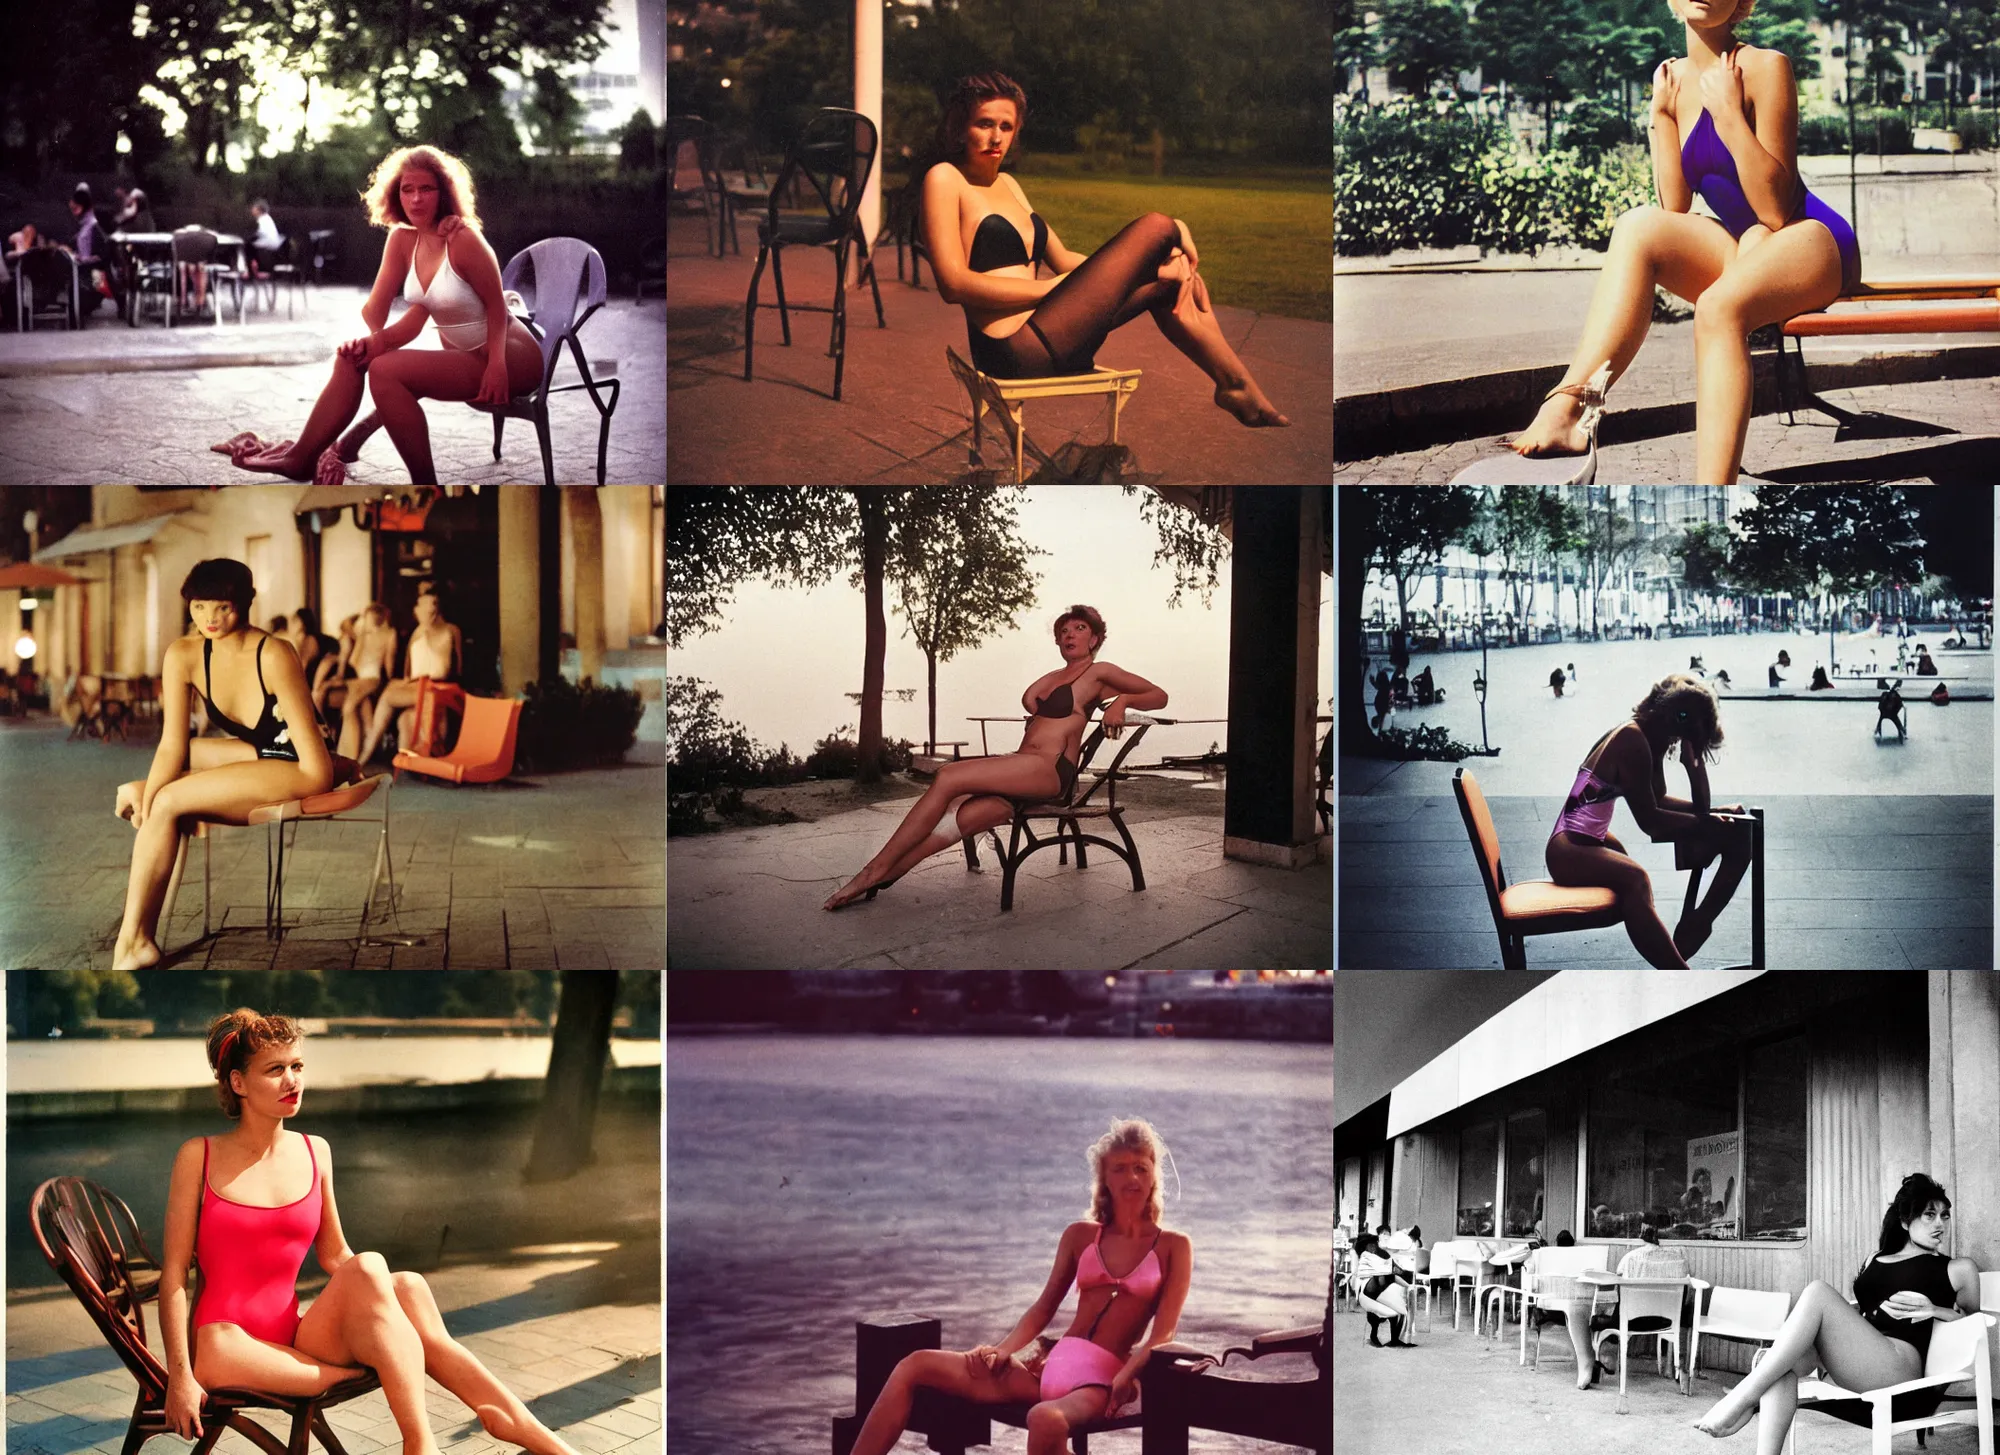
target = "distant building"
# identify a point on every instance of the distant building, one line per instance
(628, 76)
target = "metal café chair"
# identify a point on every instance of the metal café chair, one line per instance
(46, 286)
(690, 130)
(833, 155)
(193, 247)
(561, 281)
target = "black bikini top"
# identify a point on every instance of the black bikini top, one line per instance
(269, 729)
(997, 244)
(1062, 702)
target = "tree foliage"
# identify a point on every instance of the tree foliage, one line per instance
(1424, 43)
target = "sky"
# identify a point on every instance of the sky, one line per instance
(784, 658)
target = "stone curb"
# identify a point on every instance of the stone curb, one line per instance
(1397, 421)
(17, 368)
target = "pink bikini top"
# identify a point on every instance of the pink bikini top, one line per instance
(1143, 1280)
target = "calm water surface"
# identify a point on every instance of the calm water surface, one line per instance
(815, 1181)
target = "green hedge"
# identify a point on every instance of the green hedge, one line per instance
(1824, 133)
(1411, 176)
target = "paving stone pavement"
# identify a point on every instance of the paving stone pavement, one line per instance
(1853, 882)
(583, 1354)
(541, 871)
(751, 899)
(1809, 452)
(118, 405)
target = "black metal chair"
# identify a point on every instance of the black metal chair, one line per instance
(288, 266)
(903, 225)
(689, 130)
(323, 250)
(652, 268)
(194, 248)
(740, 182)
(835, 153)
(46, 286)
(1066, 809)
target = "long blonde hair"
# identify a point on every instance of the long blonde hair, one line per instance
(1128, 1135)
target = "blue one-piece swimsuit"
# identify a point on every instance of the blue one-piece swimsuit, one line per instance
(1711, 171)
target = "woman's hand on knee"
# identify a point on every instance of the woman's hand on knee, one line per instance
(1187, 244)
(986, 1359)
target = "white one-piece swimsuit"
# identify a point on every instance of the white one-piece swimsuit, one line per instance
(452, 305)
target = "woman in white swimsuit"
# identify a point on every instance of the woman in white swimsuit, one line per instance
(439, 261)
(436, 649)
(372, 658)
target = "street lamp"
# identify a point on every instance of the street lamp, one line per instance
(24, 647)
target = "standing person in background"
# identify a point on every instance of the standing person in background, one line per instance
(267, 243)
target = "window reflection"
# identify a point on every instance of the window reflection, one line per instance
(1527, 1149)
(1478, 1165)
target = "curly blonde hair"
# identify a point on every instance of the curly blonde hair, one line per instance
(455, 190)
(1128, 1135)
(1687, 709)
(234, 1038)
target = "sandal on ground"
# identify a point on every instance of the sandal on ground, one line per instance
(331, 470)
(1512, 469)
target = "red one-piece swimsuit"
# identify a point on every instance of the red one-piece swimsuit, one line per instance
(250, 1259)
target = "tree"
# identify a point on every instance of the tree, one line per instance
(1562, 536)
(1703, 551)
(638, 143)
(577, 1056)
(1831, 541)
(553, 113)
(961, 574)
(1354, 48)
(1425, 42)
(1397, 530)
(1515, 522)
(1531, 46)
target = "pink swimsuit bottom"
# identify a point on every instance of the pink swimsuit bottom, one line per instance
(1074, 1363)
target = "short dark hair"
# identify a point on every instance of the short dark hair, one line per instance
(220, 579)
(81, 196)
(1088, 616)
(306, 617)
(967, 96)
(279, 623)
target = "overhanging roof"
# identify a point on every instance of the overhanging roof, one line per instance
(1555, 1022)
(339, 497)
(89, 539)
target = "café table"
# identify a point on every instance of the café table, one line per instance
(1613, 1282)
(142, 246)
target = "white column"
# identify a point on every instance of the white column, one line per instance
(868, 101)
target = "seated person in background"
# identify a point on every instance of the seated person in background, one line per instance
(135, 213)
(1777, 677)
(331, 673)
(1556, 680)
(266, 244)
(20, 242)
(1819, 682)
(436, 651)
(1926, 666)
(372, 659)
(89, 249)
(1383, 1287)
(1426, 688)
(1722, 678)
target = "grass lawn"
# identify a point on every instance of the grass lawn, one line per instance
(1266, 236)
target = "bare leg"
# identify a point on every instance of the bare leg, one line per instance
(357, 1319)
(1576, 1322)
(1649, 245)
(936, 1369)
(1195, 332)
(1822, 1328)
(398, 694)
(153, 854)
(500, 1411)
(1699, 923)
(1578, 861)
(348, 446)
(1018, 774)
(335, 406)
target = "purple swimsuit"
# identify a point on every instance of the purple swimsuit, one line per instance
(1711, 171)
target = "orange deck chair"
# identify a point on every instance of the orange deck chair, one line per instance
(1534, 906)
(484, 752)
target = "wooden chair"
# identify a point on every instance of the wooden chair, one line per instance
(1534, 906)
(1008, 400)
(338, 802)
(1066, 809)
(951, 1423)
(82, 1230)
(484, 752)
(1180, 1395)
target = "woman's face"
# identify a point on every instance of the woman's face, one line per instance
(272, 1082)
(989, 136)
(427, 610)
(215, 619)
(1928, 1231)
(1129, 1175)
(1707, 14)
(1076, 639)
(417, 189)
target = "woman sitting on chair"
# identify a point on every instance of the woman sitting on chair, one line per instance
(249, 1244)
(435, 653)
(977, 223)
(1092, 1370)
(1059, 704)
(1910, 1284)
(438, 260)
(256, 692)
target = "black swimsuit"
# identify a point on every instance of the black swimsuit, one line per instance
(1928, 1274)
(271, 738)
(1062, 703)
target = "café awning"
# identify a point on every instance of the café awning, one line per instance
(1555, 1022)
(23, 577)
(89, 539)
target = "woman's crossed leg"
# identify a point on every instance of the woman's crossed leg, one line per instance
(1575, 861)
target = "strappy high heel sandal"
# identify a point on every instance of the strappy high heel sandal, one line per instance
(1513, 469)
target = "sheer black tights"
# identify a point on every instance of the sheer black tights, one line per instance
(1113, 286)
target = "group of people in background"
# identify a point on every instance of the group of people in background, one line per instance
(102, 272)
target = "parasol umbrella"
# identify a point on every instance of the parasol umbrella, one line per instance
(26, 577)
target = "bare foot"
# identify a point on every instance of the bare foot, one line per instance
(852, 890)
(137, 954)
(1722, 1422)
(1555, 430)
(1248, 404)
(1691, 934)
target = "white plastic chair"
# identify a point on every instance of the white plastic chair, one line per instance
(1548, 1277)
(1446, 1259)
(1959, 1350)
(1415, 1264)
(1653, 1299)
(1736, 1313)
(1495, 1293)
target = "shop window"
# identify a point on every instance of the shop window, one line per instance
(1774, 1139)
(1527, 1155)
(1478, 1166)
(1665, 1149)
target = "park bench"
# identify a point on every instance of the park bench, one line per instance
(90, 1238)
(1972, 306)
(952, 1424)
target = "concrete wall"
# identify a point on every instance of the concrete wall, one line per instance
(1916, 214)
